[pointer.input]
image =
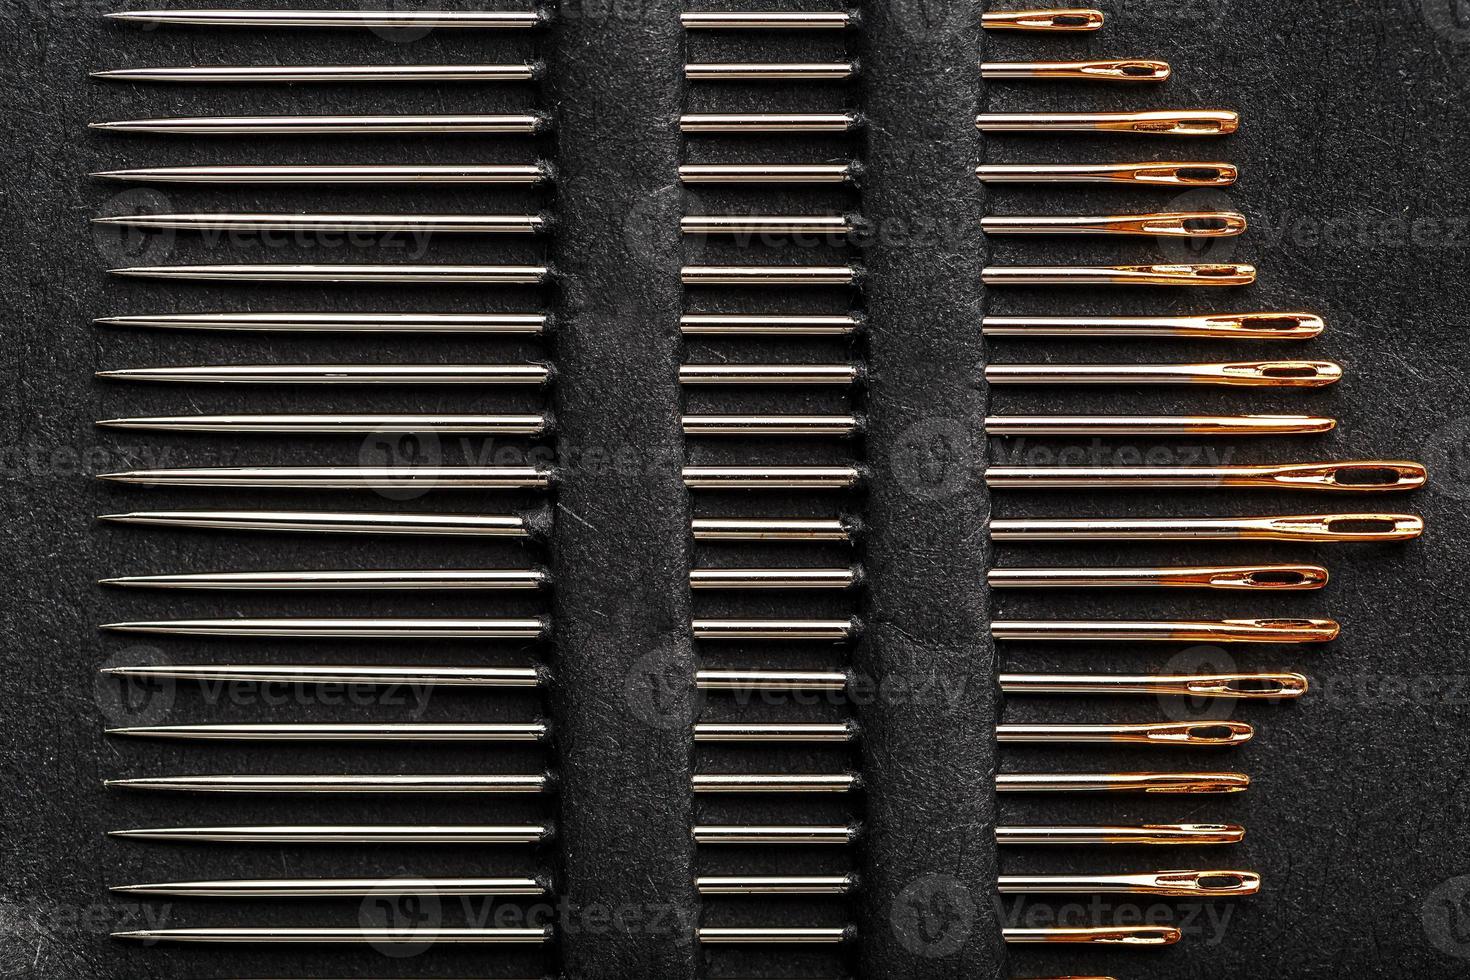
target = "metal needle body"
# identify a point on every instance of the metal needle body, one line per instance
(1178, 884)
(420, 784)
(427, 628)
(347, 374)
(1121, 782)
(1165, 122)
(1251, 577)
(341, 477)
(1249, 374)
(347, 580)
(417, 936)
(1287, 527)
(1155, 173)
(344, 834)
(339, 674)
(395, 273)
(1193, 631)
(313, 424)
(1092, 69)
(1153, 274)
(315, 322)
(331, 522)
(295, 74)
(1161, 224)
(363, 733)
(1356, 476)
(385, 18)
(353, 173)
(337, 887)
(1145, 834)
(1225, 326)
(767, 173)
(1157, 425)
(1234, 686)
(443, 224)
(331, 125)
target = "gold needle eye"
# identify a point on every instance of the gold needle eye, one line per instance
(1062, 19)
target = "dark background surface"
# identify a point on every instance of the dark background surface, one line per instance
(1351, 149)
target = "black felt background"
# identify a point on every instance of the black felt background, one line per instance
(1352, 140)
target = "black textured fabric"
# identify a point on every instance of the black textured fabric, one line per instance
(928, 747)
(624, 660)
